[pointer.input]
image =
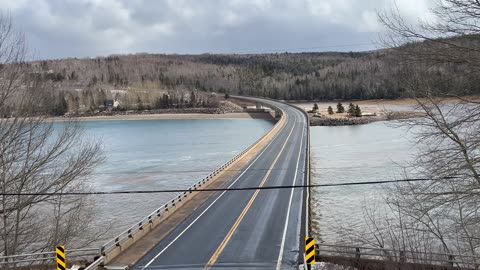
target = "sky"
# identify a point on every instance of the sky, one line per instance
(89, 28)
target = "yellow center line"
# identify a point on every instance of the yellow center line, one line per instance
(229, 235)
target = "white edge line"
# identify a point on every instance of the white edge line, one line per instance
(282, 246)
(206, 209)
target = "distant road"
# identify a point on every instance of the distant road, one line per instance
(252, 228)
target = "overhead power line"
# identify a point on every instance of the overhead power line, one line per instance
(225, 189)
(233, 170)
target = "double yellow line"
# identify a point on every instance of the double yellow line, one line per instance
(229, 235)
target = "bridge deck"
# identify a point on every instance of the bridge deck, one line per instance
(238, 229)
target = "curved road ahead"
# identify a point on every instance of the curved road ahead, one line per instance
(251, 228)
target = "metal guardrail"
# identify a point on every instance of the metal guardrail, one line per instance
(398, 256)
(42, 257)
(95, 264)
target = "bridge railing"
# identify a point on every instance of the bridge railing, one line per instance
(8, 262)
(306, 221)
(398, 256)
(307, 170)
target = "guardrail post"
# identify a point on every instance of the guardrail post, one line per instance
(451, 260)
(357, 258)
(402, 257)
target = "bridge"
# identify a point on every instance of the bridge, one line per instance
(252, 228)
(235, 222)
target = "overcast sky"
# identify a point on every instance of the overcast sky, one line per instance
(87, 28)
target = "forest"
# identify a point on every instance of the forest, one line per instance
(153, 81)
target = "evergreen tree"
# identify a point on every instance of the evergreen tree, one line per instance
(166, 101)
(140, 104)
(100, 97)
(193, 99)
(227, 96)
(340, 108)
(358, 112)
(330, 110)
(351, 110)
(60, 106)
(315, 107)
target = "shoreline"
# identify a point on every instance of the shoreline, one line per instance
(399, 101)
(167, 116)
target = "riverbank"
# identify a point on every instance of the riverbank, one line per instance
(372, 111)
(344, 120)
(382, 102)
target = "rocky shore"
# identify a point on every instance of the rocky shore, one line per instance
(316, 121)
(349, 121)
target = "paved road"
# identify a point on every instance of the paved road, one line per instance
(246, 229)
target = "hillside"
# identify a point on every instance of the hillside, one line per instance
(162, 81)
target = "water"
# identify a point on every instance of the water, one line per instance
(370, 152)
(159, 154)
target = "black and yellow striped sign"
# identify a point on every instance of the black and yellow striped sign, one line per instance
(310, 250)
(61, 262)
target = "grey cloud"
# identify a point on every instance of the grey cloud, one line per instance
(60, 28)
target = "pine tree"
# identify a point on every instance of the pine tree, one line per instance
(351, 110)
(330, 110)
(358, 112)
(100, 97)
(340, 108)
(193, 99)
(140, 106)
(60, 106)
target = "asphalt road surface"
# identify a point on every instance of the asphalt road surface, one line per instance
(248, 229)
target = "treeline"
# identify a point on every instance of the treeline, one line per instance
(291, 76)
(80, 101)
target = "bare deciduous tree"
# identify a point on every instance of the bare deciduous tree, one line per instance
(38, 156)
(442, 215)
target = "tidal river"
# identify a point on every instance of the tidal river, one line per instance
(370, 152)
(159, 154)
